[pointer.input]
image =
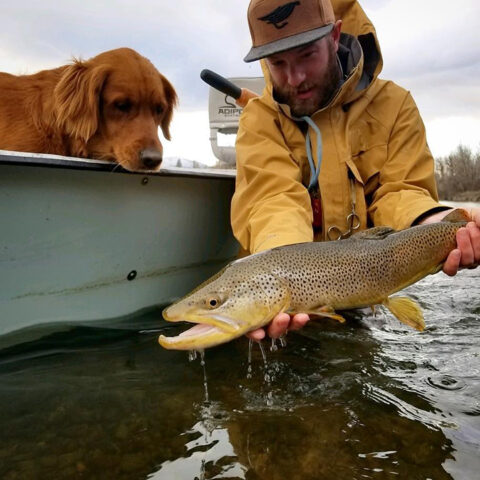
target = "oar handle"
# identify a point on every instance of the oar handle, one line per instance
(241, 95)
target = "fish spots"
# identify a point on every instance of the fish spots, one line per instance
(342, 274)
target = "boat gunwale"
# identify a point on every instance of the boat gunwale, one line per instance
(58, 161)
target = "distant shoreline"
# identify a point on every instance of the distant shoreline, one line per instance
(470, 196)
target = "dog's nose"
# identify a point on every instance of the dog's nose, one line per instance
(151, 158)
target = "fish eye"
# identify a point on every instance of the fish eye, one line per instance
(213, 302)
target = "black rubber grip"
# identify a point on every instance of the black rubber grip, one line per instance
(220, 83)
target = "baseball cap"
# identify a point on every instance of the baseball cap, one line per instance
(279, 25)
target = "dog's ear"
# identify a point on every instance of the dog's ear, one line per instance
(77, 97)
(172, 101)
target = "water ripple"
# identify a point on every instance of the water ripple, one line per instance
(445, 382)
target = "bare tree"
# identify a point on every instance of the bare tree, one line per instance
(458, 175)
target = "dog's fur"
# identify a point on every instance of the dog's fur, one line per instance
(108, 108)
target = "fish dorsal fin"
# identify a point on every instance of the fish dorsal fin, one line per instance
(456, 216)
(375, 233)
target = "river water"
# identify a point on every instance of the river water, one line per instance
(369, 399)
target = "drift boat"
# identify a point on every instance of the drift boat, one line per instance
(83, 240)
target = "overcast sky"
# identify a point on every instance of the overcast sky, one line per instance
(431, 47)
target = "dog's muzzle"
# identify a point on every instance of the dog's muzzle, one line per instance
(150, 158)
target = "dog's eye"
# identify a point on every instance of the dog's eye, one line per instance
(159, 109)
(124, 106)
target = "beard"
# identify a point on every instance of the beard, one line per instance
(323, 89)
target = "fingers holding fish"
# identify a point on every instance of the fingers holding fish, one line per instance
(474, 214)
(256, 335)
(284, 322)
(452, 263)
(279, 326)
(276, 328)
(474, 230)
(464, 244)
(467, 253)
(298, 321)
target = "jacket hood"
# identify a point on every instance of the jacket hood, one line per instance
(359, 49)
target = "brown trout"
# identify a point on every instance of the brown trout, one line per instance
(317, 278)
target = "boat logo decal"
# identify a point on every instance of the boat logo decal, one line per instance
(229, 109)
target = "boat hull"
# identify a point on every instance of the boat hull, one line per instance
(83, 244)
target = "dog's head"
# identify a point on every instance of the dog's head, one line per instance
(111, 106)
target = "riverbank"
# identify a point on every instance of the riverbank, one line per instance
(469, 196)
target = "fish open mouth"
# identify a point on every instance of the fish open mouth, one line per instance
(198, 337)
(221, 322)
(199, 330)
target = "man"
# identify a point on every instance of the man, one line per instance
(329, 148)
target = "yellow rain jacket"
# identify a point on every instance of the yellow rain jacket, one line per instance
(374, 148)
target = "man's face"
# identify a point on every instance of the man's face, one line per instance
(306, 78)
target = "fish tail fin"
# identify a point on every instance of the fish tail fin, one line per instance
(407, 311)
(457, 215)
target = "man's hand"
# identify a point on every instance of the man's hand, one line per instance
(467, 253)
(280, 325)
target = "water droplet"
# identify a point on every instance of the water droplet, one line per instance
(205, 384)
(249, 368)
(264, 356)
(202, 470)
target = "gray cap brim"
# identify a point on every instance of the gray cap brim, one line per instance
(256, 53)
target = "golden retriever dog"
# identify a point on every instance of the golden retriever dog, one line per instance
(108, 107)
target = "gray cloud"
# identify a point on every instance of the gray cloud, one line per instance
(180, 38)
(435, 53)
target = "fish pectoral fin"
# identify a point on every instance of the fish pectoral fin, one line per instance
(287, 302)
(326, 311)
(375, 233)
(435, 269)
(407, 311)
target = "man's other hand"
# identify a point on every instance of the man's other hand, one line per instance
(467, 253)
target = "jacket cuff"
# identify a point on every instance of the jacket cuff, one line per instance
(419, 210)
(439, 208)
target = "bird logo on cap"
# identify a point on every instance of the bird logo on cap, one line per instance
(280, 14)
